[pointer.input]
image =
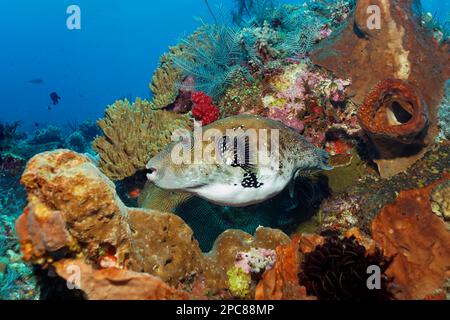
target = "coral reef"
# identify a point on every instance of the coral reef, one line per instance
(239, 282)
(256, 261)
(282, 282)
(85, 219)
(8, 133)
(369, 97)
(89, 130)
(166, 81)
(401, 49)
(76, 142)
(440, 200)
(133, 133)
(51, 134)
(212, 58)
(216, 54)
(242, 97)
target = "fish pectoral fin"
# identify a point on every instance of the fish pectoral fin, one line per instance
(236, 151)
(292, 189)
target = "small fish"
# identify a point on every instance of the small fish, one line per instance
(36, 81)
(55, 98)
(240, 179)
(135, 193)
(36, 124)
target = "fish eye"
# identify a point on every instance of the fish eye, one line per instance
(151, 170)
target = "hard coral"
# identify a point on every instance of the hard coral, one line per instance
(337, 270)
(166, 80)
(11, 165)
(133, 134)
(203, 109)
(8, 132)
(74, 216)
(396, 118)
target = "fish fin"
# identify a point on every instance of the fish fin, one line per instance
(292, 189)
(324, 160)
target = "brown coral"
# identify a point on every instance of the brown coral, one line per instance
(133, 133)
(73, 212)
(408, 230)
(396, 118)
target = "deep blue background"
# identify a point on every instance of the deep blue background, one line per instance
(113, 56)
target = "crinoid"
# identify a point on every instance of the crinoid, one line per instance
(338, 270)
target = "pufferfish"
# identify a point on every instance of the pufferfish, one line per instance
(252, 160)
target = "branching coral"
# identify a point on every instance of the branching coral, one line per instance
(7, 134)
(309, 100)
(444, 114)
(133, 133)
(89, 130)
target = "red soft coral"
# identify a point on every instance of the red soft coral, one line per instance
(203, 109)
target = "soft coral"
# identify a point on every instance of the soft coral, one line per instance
(203, 109)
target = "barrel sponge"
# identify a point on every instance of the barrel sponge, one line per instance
(133, 133)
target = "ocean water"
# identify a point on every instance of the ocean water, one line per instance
(111, 57)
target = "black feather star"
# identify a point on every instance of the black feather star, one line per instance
(337, 270)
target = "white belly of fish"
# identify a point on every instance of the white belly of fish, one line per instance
(238, 196)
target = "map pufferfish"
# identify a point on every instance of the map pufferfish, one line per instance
(240, 178)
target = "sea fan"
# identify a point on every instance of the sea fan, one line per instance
(212, 58)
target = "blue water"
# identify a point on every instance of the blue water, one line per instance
(112, 56)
